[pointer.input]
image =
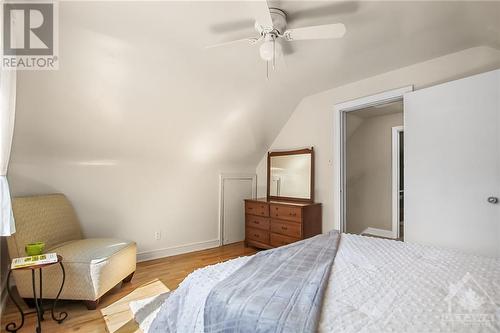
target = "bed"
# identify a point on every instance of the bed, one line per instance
(375, 285)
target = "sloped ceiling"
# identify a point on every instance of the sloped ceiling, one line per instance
(135, 78)
(137, 86)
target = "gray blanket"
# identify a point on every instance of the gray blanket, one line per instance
(280, 290)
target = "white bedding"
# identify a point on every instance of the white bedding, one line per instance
(376, 285)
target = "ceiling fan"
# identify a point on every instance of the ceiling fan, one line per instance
(271, 26)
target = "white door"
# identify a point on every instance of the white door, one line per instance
(235, 190)
(452, 164)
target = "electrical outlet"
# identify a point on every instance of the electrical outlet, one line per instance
(158, 235)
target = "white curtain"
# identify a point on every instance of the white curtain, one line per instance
(7, 114)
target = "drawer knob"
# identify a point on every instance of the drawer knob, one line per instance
(256, 222)
(256, 235)
(284, 228)
(250, 208)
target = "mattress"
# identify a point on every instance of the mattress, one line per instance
(376, 285)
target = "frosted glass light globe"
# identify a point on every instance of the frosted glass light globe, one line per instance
(268, 50)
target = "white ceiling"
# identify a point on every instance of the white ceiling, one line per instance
(135, 80)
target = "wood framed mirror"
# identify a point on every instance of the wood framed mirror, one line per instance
(290, 175)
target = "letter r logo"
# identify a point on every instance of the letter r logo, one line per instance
(28, 29)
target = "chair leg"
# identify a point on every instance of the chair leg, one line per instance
(128, 278)
(91, 305)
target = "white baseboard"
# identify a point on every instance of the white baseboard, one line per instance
(378, 232)
(175, 250)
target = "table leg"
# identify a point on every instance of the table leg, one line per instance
(38, 311)
(12, 326)
(41, 295)
(62, 315)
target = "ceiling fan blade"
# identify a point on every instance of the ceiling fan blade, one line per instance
(231, 26)
(248, 40)
(326, 31)
(326, 9)
(262, 14)
(258, 9)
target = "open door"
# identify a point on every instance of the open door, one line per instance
(452, 164)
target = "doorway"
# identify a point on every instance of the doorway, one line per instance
(369, 169)
(341, 110)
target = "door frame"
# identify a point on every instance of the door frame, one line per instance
(396, 130)
(232, 176)
(341, 111)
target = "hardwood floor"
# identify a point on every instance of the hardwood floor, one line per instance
(170, 271)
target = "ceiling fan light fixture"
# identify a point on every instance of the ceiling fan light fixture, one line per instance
(269, 49)
(271, 26)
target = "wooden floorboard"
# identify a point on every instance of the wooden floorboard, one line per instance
(170, 271)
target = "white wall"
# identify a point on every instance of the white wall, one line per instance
(312, 122)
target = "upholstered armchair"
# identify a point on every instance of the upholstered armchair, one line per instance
(93, 266)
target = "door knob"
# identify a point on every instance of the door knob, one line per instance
(493, 200)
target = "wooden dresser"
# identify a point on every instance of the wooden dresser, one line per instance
(275, 223)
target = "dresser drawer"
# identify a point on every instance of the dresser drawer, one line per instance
(290, 213)
(257, 235)
(256, 208)
(258, 222)
(286, 228)
(280, 240)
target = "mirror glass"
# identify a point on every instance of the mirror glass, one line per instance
(290, 175)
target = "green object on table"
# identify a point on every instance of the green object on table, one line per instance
(34, 249)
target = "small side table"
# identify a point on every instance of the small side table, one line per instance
(12, 326)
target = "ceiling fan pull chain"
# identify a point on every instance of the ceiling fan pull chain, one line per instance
(274, 53)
